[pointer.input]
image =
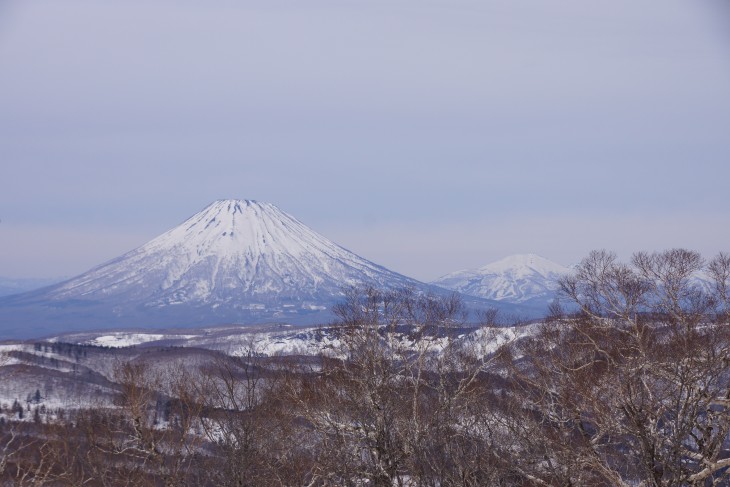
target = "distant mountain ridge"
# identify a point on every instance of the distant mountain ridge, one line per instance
(527, 279)
(236, 261)
(10, 285)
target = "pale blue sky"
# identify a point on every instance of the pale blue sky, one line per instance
(425, 135)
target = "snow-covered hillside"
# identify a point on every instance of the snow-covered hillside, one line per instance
(526, 279)
(282, 340)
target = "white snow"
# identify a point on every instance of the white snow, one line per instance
(515, 279)
(234, 253)
(124, 339)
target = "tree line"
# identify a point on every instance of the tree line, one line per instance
(625, 383)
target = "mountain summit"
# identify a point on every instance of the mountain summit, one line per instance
(525, 278)
(238, 253)
(236, 261)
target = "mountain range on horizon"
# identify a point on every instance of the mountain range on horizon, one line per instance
(17, 285)
(236, 261)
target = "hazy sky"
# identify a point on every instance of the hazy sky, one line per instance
(425, 135)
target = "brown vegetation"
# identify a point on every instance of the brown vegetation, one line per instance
(630, 386)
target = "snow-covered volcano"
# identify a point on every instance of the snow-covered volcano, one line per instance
(525, 279)
(237, 253)
(236, 261)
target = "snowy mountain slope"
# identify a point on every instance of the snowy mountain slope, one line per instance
(526, 279)
(236, 261)
(231, 250)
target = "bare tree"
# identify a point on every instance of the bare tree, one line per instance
(397, 399)
(133, 444)
(251, 431)
(635, 386)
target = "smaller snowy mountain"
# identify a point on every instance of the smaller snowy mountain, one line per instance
(526, 279)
